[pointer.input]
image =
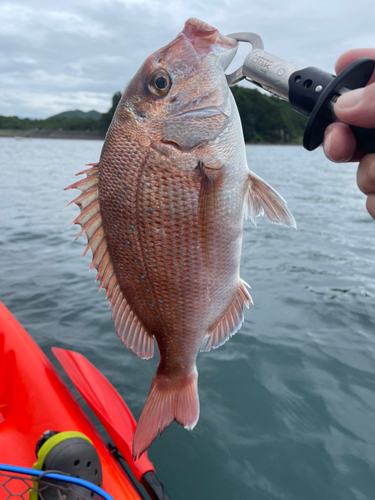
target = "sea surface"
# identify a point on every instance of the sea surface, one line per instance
(288, 404)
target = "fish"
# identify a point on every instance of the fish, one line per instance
(163, 213)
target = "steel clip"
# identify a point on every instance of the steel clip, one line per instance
(256, 42)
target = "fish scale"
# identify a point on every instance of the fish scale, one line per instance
(169, 200)
(166, 232)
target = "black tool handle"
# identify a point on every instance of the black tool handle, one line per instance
(313, 92)
(153, 486)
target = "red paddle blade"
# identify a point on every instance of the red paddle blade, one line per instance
(107, 405)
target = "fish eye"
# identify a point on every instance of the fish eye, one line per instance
(159, 83)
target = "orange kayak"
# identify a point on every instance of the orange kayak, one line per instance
(34, 398)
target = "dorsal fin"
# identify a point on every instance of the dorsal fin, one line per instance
(230, 322)
(127, 324)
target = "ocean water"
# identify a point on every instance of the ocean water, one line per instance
(288, 404)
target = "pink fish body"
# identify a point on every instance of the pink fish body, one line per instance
(163, 212)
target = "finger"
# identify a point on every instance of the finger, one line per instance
(352, 55)
(366, 174)
(339, 143)
(357, 107)
(370, 205)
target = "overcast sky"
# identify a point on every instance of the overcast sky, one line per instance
(58, 55)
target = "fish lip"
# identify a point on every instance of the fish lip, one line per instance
(225, 56)
(206, 39)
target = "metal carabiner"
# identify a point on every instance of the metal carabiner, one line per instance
(256, 42)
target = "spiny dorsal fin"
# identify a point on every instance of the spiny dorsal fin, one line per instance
(262, 198)
(128, 326)
(230, 322)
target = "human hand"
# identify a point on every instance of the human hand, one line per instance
(356, 107)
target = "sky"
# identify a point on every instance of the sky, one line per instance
(60, 55)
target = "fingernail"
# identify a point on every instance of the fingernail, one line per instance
(327, 144)
(350, 99)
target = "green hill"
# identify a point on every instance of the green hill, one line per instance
(267, 119)
(52, 123)
(77, 113)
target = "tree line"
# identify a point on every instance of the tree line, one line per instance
(264, 119)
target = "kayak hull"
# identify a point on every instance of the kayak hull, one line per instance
(34, 398)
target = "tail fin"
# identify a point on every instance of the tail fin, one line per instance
(168, 400)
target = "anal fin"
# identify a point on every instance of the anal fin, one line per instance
(230, 322)
(262, 198)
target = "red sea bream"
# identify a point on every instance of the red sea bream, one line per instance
(163, 212)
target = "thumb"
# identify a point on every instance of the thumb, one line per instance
(357, 107)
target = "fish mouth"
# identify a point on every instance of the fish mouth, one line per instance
(205, 38)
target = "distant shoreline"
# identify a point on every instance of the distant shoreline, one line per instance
(95, 135)
(54, 134)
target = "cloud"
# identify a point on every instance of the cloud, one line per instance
(65, 54)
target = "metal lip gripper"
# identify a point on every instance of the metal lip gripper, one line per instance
(310, 91)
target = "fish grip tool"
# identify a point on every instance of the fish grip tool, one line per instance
(310, 91)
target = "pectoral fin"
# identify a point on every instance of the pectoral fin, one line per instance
(230, 322)
(262, 198)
